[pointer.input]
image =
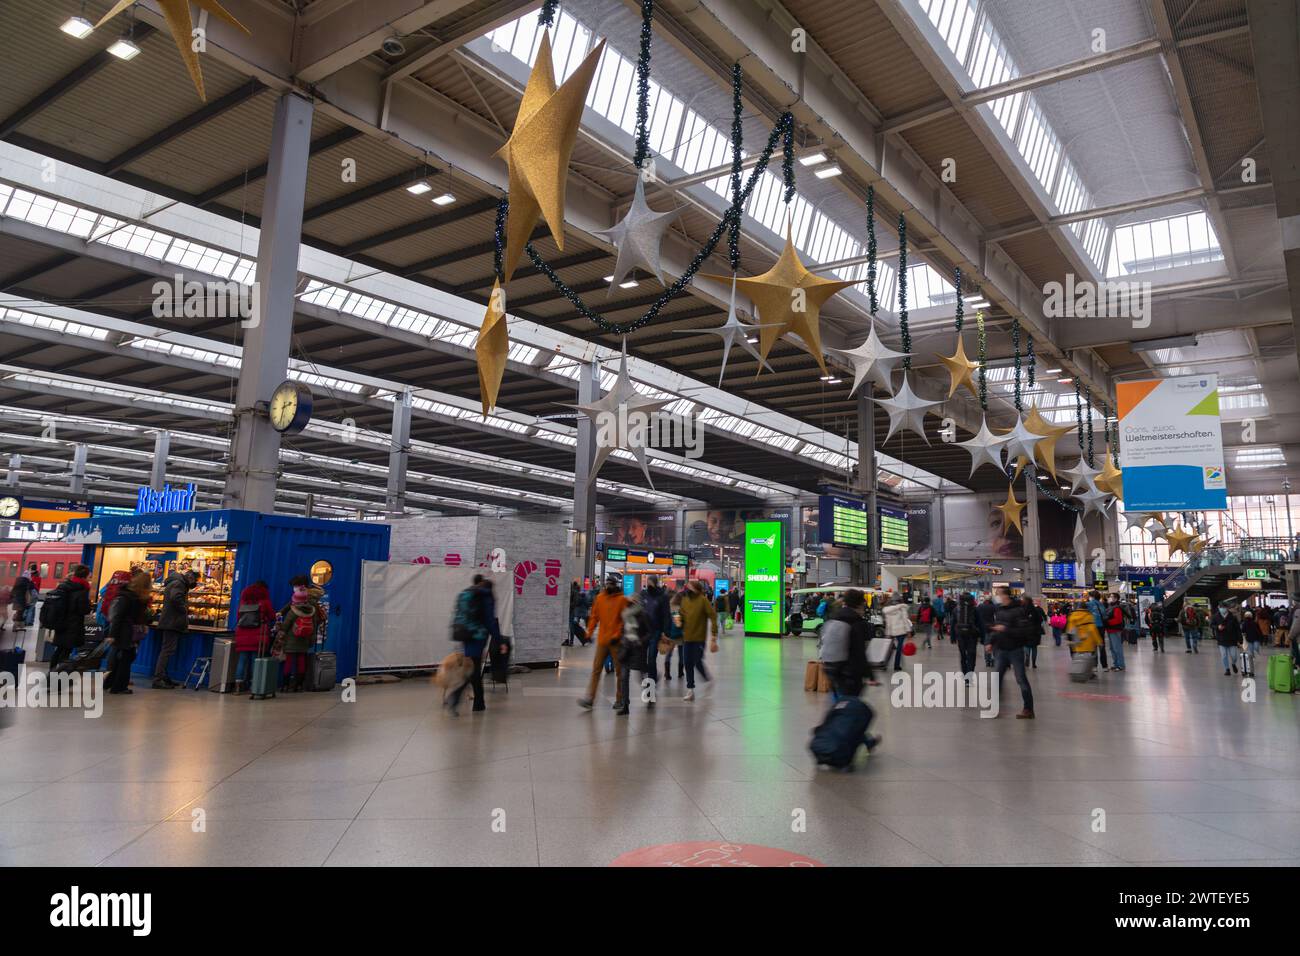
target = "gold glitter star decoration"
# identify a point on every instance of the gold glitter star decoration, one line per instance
(538, 150)
(960, 369)
(1011, 511)
(1045, 450)
(491, 349)
(177, 13)
(1111, 479)
(1180, 540)
(789, 299)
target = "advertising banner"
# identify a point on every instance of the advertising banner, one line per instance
(1171, 444)
(764, 577)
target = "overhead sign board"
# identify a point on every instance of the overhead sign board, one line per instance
(1245, 584)
(1171, 444)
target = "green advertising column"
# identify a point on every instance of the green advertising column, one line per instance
(764, 578)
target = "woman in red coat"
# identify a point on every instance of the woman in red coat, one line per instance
(254, 619)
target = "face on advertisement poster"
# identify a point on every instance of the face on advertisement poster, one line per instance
(639, 530)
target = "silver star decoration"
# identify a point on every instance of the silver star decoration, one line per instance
(1021, 442)
(618, 406)
(1081, 475)
(1137, 519)
(638, 237)
(907, 410)
(732, 332)
(1094, 500)
(1080, 548)
(873, 360)
(985, 448)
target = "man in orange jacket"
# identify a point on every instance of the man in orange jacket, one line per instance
(605, 625)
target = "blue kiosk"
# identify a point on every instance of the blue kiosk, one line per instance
(231, 549)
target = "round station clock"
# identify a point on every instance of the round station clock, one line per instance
(290, 408)
(9, 506)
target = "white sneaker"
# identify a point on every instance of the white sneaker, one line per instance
(689, 695)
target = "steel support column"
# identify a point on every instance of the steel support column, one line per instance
(866, 568)
(162, 443)
(1033, 573)
(399, 454)
(78, 484)
(584, 486)
(255, 448)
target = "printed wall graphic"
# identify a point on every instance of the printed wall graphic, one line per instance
(641, 529)
(1171, 444)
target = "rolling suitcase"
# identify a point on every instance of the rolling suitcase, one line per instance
(1081, 667)
(1281, 675)
(266, 670)
(11, 662)
(322, 671)
(836, 740)
(86, 662)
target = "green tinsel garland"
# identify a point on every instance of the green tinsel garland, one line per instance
(1087, 398)
(902, 292)
(643, 86)
(1033, 359)
(737, 139)
(1015, 343)
(546, 16)
(957, 284)
(1078, 410)
(983, 359)
(871, 250)
(499, 239)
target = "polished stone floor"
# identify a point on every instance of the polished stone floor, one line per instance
(1167, 756)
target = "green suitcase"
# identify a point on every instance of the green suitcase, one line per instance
(1281, 676)
(265, 672)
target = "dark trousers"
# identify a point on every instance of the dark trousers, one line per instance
(475, 682)
(966, 649)
(693, 652)
(634, 662)
(1157, 640)
(119, 675)
(1192, 638)
(843, 682)
(577, 633)
(167, 641)
(668, 661)
(1015, 659)
(60, 654)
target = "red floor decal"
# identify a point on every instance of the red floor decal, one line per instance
(708, 853)
(1081, 696)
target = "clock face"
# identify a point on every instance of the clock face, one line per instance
(284, 406)
(9, 507)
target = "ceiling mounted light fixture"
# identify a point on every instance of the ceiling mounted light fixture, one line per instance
(446, 199)
(124, 48)
(419, 189)
(812, 159)
(78, 27)
(827, 172)
(1173, 342)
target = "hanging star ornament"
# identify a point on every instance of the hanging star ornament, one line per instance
(491, 349)
(1080, 476)
(789, 298)
(1180, 540)
(872, 361)
(985, 448)
(638, 237)
(1011, 511)
(1045, 450)
(960, 369)
(1080, 543)
(1111, 479)
(177, 14)
(906, 410)
(1134, 519)
(732, 332)
(1021, 443)
(620, 420)
(537, 152)
(1094, 500)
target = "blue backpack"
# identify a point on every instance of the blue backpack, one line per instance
(464, 626)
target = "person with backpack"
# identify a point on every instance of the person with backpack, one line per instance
(1253, 636)
(605, 622)
(937, 612)
(300, 619)
(1114, 625)
(173, 621)
(844, 652)
(65, 611)
(254, 618)
(1058, 622)
(925, 620)
(1037, 618)
(470, 629)
(1189, 619)
(1008, 636)
(1156, 627)
(633, 649)
(965, 628)
(128, 622)
(22, 599)
(1227, 634)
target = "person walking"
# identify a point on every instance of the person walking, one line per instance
(604, 626)
(966, 632)
(1227, 634)
(173, 621)
(654, 600)
(254, 618)
(698, 625)
(1189, 619)
(984, 614)
(471, 631)
(1252, 634)
(579, 604)
(938, 610)
(34, 576)
(1037, 618)
(1114, 625)
(1156, 626)
(128, 622)
(844, 653)
(898, 626)
(1010, 632)
(634, 654)
(65, 611)
(22, 598)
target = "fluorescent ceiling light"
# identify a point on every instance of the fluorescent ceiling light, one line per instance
(629, 284)
(813, 159)
(827, 172)
(446, 199)
(1065, 381)
(1052, 371)
(124, 48)
(1173, 342)
(419, 189)
(608, 279)
(834, 381)
(78, 27)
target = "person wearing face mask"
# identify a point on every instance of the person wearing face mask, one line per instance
(1007, 639)
(1114, 624)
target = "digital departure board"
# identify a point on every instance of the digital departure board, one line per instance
(893, 529)
(1058, 571)
(843, 522)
